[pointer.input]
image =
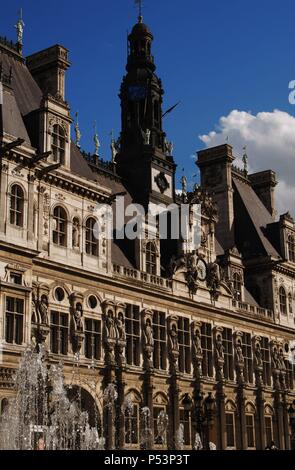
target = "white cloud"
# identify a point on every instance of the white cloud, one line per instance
(270, 140)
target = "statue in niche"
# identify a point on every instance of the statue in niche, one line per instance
(258, 355)
(219, 347)
(147, 137)
(110, 326)
(239, 353)
(78, 314)
(76, 233)
(197, 346)
(120, 326)
(148, 333)
(173, 335)
(275, 359)
(43, 309)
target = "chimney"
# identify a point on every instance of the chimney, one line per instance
(216, 176)
(264, 183)
(48, 69)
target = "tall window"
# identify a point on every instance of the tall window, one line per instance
(132, 425)
(58, 144)
(158, 439)
(250, 432)
(17, 206)
(237, 286)
(268, 429)
(92, 339)
(290, 369)
(59, 333)
(14, 320)
(283, 301)
(184, 345)
(132, 325)
(206, 341)
(151, 259)
(227, 341)
(184, 416)
(266, 361)
(290, 303)
(91, 237)
(247, 353)
(230, 429)
(60, 226)
(160, 343)
(291, 248)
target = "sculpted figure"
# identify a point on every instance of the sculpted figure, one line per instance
(148, 333)
(173, 338)
(219, 347)
(197, 347)
(258, 355)
(110, 326)
(120, 324)
(43, 309)
(78, 314)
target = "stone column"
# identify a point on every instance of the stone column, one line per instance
(148, 349)
(30, 222)
(220, 396)
(173, 349)
(239, 365)
(120, 372)
(3, 194)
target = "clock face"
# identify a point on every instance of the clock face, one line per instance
(202, 270)
(137, 93)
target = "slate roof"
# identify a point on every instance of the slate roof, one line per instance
(258, 215)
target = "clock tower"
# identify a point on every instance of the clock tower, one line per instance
(145, 159)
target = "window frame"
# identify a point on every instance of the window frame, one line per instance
(151, 259)
(17, 206)
(14, 323)
(91, 242)
(184, 343)
(59, 333)
(133, 335)
(58, 144)
(60, 231)
(93, 350)
(160, 340)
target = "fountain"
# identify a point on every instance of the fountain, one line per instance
(162, 426)
(179, 438)
(42, 415)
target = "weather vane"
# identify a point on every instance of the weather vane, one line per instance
(139, 4)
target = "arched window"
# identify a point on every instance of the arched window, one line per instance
(17, 206)
(60, 226)
(91, 237)
(58, 144)
(237, 286)
(268, 419)
(283, 301)
(290, 303)
(4, 405)
(151, 259)
(230, 425)
(250, 426)
(291, 248)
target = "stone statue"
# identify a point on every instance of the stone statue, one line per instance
(43, 310)
(77, 131)
(20, 30)
(120, 326)
(148, 333)
(184, 184)
(245, 160)
(197, 347)
(219, 347)
(78, 314)
(96, 144)
(76, 234)
(258, 356)
(147, 137)
(282, 360)
(175, 264)
(239, 353)
(173, 335)
(168, 148)
(115, 148)
(275, 359)
(110, 326)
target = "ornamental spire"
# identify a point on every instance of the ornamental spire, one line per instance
(139, 4)
(20, 30)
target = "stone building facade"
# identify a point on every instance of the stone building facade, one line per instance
(200, 332)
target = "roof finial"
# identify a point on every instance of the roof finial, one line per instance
(96, 140)
(139, 4)
(20, 28)
(77, 131)
(245, 160)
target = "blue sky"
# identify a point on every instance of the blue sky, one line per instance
(212, 56)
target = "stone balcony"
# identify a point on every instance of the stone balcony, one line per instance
(257, 312)
(142, 277)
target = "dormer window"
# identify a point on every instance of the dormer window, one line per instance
(151, 259)
(283, 301)
(237, 281)
(291, 248)
(58, 144)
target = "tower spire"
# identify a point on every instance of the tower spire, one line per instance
(139, 4)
